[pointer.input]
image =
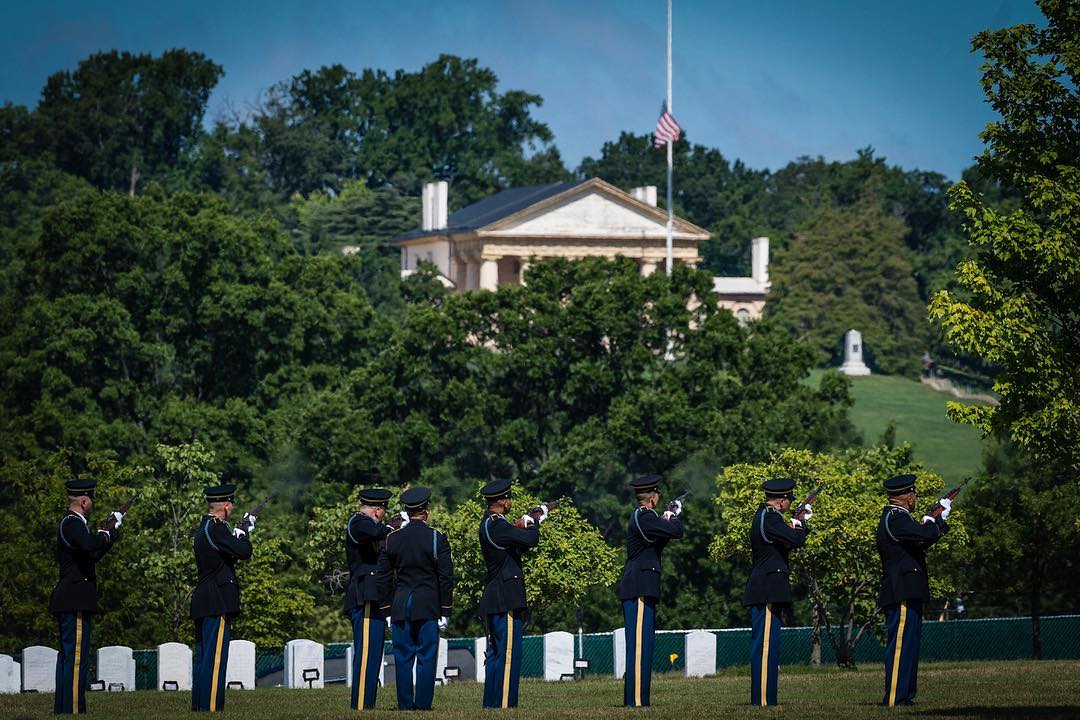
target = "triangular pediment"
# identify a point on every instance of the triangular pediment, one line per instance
(593, 209)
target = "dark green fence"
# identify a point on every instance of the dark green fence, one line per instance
(990, 639)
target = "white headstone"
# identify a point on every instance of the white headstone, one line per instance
(700, 652)
(10, 680)
(116, 666)
(301, 655)
(348, 666)
(618, 647)
(241, 667)
(558, 655)
(479, 652)
(174, 665)
(39, 669)
(853, 347)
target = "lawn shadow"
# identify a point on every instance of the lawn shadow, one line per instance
(1065, 712)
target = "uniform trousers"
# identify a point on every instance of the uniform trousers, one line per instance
(368, 634)
(71, 675)
(765, 625)
(211, 657)
(639, 615)
(903, 623)
(415, 641)
(502, 662)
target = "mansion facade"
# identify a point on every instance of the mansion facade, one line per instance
(492, 242)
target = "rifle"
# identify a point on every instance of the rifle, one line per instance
(245, 524)
(536, 512)
(937, 507)
(681, 499)
(800, 511)
(110, 522)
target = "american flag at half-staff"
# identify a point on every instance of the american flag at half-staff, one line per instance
(667, 128)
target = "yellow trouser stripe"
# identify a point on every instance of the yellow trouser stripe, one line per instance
(509, 658)
(765, 655)
(362, 677)
(896, 653)
(640, 628)
(78, 659)
(217, 664)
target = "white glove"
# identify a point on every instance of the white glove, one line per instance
(796, 523)
(944, 502)
(250, 521)
(927, 519)
(678, 507)
(667, 515)
(526, 520)
(443, 622)
(543, 513)
(389, 621)
(238, 533)
(119, 518)
(404, 519)
(808, 513)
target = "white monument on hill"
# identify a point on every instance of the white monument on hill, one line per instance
(853, 362)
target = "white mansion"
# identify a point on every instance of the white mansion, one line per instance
(491, 242)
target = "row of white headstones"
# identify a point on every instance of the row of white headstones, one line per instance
(304, 663)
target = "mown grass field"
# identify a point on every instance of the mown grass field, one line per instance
(918, 414)
(1020, 689)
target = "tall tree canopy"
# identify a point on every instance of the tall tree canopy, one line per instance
(1022, 312)
(120, 119)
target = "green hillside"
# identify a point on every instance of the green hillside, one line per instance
(918, 413)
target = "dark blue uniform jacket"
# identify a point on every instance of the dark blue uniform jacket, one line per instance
(363, 542)
(416, 561)
(503, 544)
(902, 543)
(216, 553)
(771, 541)
(77, 551)
(646, 535)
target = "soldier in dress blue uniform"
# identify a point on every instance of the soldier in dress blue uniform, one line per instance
(415, 581)
(215, 603)
(902, 543)
(768, 593)
(364, 536)
(639, 589)
(503, 604)
(74, 599)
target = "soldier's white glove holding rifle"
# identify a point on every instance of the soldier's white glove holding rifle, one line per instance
(119, 519)
(443, 623)
(543, 514)
(946, 505)
(527, 520)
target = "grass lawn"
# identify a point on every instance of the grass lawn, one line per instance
(1021, 689)
(918, 413)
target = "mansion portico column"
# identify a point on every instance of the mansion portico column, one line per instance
(471, 274)
(489, 273)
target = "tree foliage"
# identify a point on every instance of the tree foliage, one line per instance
(1022, 312)
(839, 565)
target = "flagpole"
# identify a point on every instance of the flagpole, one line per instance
(670, 209)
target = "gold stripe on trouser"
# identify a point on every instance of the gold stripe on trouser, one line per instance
(217, 664)
(78, 659)
(896, 653)
(765, 655)
(362, 677)
(509, 658)
(637, 649)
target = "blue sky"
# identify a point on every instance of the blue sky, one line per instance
(763, 81)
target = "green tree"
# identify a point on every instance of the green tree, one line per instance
(1022, 314)
(839, 566)
(120, 119)
(847, 268)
